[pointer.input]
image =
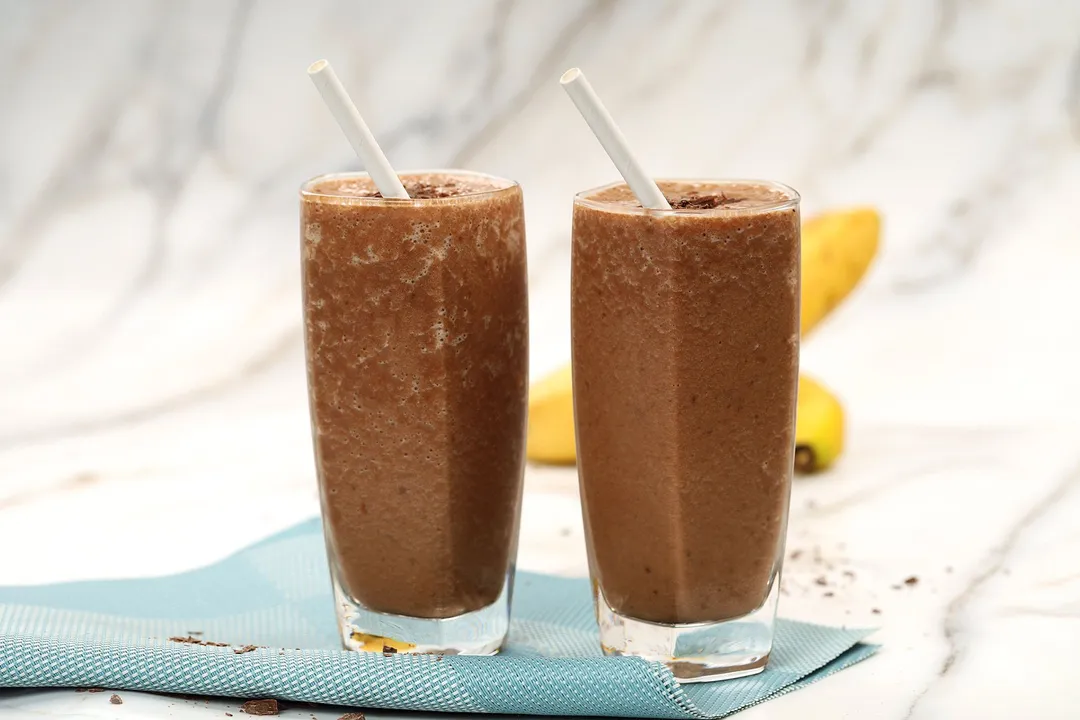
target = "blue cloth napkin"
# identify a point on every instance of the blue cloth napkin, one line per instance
(276, 595)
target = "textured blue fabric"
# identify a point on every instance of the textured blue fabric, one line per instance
(276, 594)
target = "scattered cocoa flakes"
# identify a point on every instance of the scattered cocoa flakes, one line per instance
(245, 649)
(419, 190)
(821, 580)
(116, 700)
(260, 707)
(190, 640)
(353, 716)
(911, 581)
(876, 611)
(696, 201)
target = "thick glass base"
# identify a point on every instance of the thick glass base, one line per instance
(476, 633)
(698, 652)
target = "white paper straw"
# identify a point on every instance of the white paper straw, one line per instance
(356, 130)
(609, 135)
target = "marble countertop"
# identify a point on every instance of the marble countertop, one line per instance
(152, 398)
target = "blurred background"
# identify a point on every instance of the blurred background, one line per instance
(151, 371)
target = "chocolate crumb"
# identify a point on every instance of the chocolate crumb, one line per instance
(876, 611)
(245, 649)
(696, 201)
(116, 700)
(822, 580)
(849, 573)
(422, 191)
(353, 716)
(796, 554)
(260, 707)
(911, 581)
(388, 650)
(196, 641)
(829, 594)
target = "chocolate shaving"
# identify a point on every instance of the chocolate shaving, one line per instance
(261, 707)
(696, 201)
(196, 641)
(422, 191)
(822, 580)
(245, 649)
(911, 581)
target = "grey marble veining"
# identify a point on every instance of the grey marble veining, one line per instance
(150, 354)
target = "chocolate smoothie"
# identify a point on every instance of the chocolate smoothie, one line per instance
(686, 355)
(416, 334)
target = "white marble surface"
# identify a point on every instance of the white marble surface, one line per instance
(152, 408)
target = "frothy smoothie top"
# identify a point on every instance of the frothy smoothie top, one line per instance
(700, 196)
(437, 185)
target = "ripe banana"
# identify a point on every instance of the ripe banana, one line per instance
(819, 427)
(837, 248)
(551, 420)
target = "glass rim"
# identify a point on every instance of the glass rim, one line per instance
(791, 199)
(307, 191)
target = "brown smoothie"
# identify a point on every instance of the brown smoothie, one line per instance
(417, 348)
(686, 356)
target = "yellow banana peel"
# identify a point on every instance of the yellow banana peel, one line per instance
(551, 420)
(819, 427)
(837, 248)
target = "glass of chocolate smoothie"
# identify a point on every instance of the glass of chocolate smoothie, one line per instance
(685, 359)
(416, 330)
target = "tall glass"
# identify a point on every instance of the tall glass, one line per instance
(685, 359)
(417, 351)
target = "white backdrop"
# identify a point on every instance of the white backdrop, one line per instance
(151, 370)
